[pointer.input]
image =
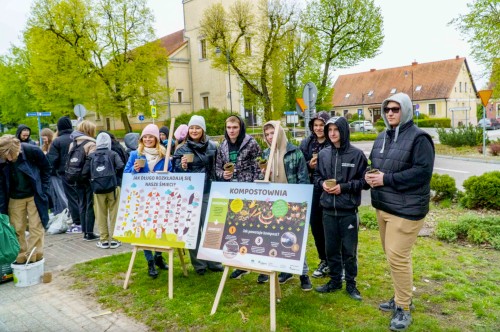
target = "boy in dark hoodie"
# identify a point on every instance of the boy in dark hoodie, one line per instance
(131, 141)
(105, 204)
(164, 132)
(345, 164)
(23, 134)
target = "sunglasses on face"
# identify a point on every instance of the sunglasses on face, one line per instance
(393, 109)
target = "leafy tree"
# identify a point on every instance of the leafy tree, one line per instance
(347, 32)
(481, 27)
(102, 46)
(266, 26)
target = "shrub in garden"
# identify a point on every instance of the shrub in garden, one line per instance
(482, 191)
(474, 229)
(461, 136)
(368, 219)
(495, 149)
(446, 231)
(443, 186)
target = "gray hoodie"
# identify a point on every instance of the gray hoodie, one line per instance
(103, 142)
(406, 105)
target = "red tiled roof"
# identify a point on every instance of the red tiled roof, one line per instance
(173, 42)
(436, 79)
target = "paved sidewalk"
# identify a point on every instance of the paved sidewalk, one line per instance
(54, 306)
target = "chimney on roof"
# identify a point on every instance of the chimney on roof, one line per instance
(414, 63)
(457, 57)
(372, 70)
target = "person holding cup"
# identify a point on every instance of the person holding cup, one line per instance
(148, 158)
(339, 173)
(197, 155)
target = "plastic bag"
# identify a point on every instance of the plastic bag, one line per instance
(9, 245)
(59, 223)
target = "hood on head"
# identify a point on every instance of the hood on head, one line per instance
(64, 123)
(323, 116)
(343, 127)
(103, 141)
(113, 138)
(164, 130)
(131, 141)
(406, 105)
(20, 128)
(281, 132)
(242, 133)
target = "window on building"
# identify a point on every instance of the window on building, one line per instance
(418, 88)
(97, 116)
(393, 90)
(248, 46)
(346, 112)
(465, 87)
(205, 102)
(203, 49)
(459, 86)
(498, 110)
(179, 97)
(347, 95)
(432, 109)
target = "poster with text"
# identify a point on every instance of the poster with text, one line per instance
(257, 225)
(160, 209)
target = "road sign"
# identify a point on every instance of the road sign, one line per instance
(417, 106)
(80, 110)
(417, 113)
(290, 113)
(300, 106)
(141, 117)
(153, 112)
(485, 96)
(310, 94)
(31, 114)
(360, 111)
(38, 115)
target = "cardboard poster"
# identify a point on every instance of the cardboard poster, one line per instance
(257, 225)
(160, 209)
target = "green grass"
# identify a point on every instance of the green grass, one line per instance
(457, 288)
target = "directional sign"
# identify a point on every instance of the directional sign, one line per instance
(290, 113)
(141, 117)
(153, 112)
(32, 114)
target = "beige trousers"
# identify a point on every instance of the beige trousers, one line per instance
(106, 207)
(398, 236)
(18, 210)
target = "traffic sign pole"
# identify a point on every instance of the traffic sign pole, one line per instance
(38, 115)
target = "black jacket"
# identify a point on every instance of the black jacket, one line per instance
(347, 165)
(58, 151)
(34, 164)
(203, 162)
(407, 166)
(20, 128)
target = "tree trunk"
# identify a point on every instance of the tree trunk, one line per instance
(126, 122)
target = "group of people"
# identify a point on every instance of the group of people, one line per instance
(399, 176)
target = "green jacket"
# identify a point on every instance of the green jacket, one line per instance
(295, 164)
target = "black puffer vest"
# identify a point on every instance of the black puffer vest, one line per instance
(410, 204)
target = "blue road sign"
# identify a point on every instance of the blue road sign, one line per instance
(417, 106)
(417, 113)
(32, 114)
(141, 117)
(360, 111)
(290, 113)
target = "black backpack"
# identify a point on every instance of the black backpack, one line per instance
(102, 173)
(75, 162)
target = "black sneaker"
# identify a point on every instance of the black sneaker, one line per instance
(401, 319)
(353, 292)
(160, 262)
(321, 271)
(90, 237)
(305, 283)
(153, 273)
(391, 305)
(329, 287)
(216, 268)
(237, 274)
(262, 278)
(201, 272)
(283, 277)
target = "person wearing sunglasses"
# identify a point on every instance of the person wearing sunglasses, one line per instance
(402, 160)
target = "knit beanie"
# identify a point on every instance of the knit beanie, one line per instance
(64, 123)
(151, 129)
(164, 130)
(198, 120)
(181, 132)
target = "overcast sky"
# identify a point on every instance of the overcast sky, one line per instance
(414, 31)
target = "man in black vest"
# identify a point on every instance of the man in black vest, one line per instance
(402, 162)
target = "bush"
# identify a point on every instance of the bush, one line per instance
(215, 120)
(461, 136)
(482, 191)
(474, 229)
(435, 122)
(444, 187)
(368, 218)
(355, 137)
(495, 149)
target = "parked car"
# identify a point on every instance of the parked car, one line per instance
(490, 124)
(361, 125)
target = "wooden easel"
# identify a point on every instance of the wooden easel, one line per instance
(274, 290)
(170, 264)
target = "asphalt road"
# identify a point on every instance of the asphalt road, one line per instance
(459, 169)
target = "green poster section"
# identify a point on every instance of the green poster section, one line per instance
(218, 210)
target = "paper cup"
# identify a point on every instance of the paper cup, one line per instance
(47, 277)
(189, 157)
(229, 167)
(330, 183)
(141, 162)
(373, 171)
(263, 164)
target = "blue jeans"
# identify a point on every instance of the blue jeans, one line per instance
(149, 255)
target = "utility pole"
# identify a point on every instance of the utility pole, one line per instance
(229, 75)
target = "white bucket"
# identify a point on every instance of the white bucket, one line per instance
(28, 274)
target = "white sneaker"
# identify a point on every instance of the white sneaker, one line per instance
(114, 244)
